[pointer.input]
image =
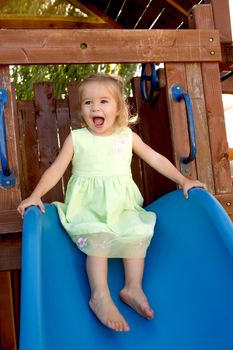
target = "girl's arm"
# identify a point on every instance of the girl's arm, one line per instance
(163, 165)
(50, 177)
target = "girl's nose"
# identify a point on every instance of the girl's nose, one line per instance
(95, 106)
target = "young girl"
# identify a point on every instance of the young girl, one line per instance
(103, 211)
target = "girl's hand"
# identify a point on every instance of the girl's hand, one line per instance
(32, 200)
(188, 184)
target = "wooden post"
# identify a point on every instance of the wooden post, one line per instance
(222, 19)
(175, 74)
(154, 129)
(7, 323)
(202, 17)
(10, 220)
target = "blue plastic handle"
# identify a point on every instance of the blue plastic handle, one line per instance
(178, 95)
(7, 178)
(154, 80)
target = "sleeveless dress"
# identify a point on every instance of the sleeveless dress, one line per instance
(102, 211)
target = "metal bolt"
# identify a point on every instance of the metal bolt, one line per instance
(212, 52)
(228, 204)
(211, 39)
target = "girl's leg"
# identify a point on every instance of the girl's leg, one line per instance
(132, 293)
(101, 302)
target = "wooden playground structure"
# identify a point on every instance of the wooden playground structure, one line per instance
(36, 129)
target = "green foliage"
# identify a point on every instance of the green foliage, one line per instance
(25, 76)
(41, 8)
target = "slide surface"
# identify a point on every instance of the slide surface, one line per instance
(188, 279)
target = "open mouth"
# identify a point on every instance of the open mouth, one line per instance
(98, 122)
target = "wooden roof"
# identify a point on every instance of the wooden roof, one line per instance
(147, 14)
(128, 14)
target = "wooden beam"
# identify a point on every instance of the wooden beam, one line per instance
(178, 7)
(222, 19)
(202, 18)
(227, 53)
(227, 86)
(50, 23)
(108, 46)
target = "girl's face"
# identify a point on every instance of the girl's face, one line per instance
(99, 108)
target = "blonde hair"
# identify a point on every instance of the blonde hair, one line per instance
(115, 83)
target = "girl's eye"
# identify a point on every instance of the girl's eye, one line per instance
(104, 101)
(87, 102)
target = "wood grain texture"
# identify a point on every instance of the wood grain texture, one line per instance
(7, 323)
(214, 109)
(203, 154)
(112, 45)
(176, 74)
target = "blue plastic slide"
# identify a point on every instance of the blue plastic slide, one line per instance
(188, 280)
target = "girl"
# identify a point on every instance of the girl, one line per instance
(103, 211)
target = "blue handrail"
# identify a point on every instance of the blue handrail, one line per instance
(178, 94)
(153, 79)
(7, 178)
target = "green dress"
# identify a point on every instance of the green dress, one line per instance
(103, 211)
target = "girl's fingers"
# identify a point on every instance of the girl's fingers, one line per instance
(21, 208)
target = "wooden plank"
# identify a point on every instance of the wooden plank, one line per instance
(227, 53)
(215, 16)
(73, 105)
(201, 17)
(227, 86)
(203, 155)
(63, 125)
(176, 74)
(10, 253)
(47, 134)
(217, 129)
(155, 131)
(28, 145)
(113, 45)
(10, 198)
(10, 221)
(223, 19)
(226, 200)
(7, 324)
(214, 107)
(50, 23)
(16, 287)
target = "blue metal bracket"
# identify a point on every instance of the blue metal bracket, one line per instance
(7, 177)
(153, 79)
(178, 95)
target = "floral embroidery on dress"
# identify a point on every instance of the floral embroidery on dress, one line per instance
(103, 244)
(81, 242)
(121, 146)
(142, 243)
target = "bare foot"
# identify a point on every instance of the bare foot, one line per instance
(106, 311)
(136, 299)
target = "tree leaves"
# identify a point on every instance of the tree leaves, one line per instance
(25, 76)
